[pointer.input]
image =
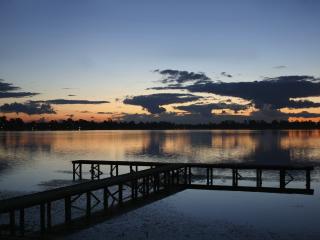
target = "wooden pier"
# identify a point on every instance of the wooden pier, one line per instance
(122, 188)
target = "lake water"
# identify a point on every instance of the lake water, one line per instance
(34, 161)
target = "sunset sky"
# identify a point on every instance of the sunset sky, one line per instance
(181, 61)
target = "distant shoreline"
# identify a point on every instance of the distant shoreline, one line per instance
(18, 124)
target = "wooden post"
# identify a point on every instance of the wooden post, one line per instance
(147, 185)
(308, 179)
(185, 176)
(74, 171)
(208, 175)
(136, 189)
(259, 177)
(111, 170)
(234, 177)
(92, 171)
(143, 186)
(105, 198)
(190, 175)
(211, 176)
(117, 170)
(88, 209)
(48, 215)
(132, 188)
(120, 194)
(98, 171)
(67, 209)
(172, 177)
(12, 223)
(42, 218)
(80, 171)
(282, 178)
(21, 224)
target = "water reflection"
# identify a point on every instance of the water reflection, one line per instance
(31, 157)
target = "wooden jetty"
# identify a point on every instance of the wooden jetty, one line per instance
(155, 178)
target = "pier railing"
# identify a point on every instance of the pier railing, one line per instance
(100, 167)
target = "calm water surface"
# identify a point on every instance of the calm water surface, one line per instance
(30, 161)
(30, 158)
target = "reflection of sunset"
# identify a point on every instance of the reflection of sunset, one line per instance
(302, 144)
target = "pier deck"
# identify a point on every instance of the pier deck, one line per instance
(154, 179)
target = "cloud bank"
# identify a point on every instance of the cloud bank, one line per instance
(8, 90)
(153, 102)
(30, 108)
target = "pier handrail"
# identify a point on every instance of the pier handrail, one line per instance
(200, 165)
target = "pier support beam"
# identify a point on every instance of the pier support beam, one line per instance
(88, 208)
(21, 222)
(67, 209)
(42, 218)
(12, 223)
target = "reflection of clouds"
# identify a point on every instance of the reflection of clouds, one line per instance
(268, 149)
(199, 146)
(187, 146)
(302, 144)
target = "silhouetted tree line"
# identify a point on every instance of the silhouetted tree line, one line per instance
(17, 124)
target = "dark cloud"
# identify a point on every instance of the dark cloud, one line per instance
(71, 95)
(268, 114)
(8, 90)
(30, 108)
(70, 101)
(206, 109)
(85, 111)
(275, 92)
(153, 102)
(176, 76)
(226, 74)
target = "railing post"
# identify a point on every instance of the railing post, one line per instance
(259, 177)
(282, 178)
(80, 171)
(190, 175)
(308, 178)
(208, 176)
(234, 177)
(92, 171)
(74, 171)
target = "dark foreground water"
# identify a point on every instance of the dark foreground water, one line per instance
(34, 161)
